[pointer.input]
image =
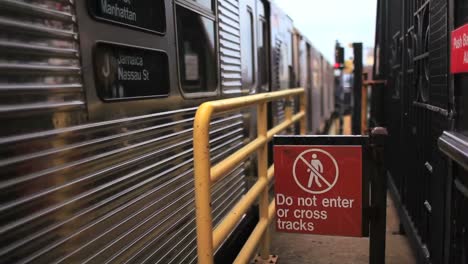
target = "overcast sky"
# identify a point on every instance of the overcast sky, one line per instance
(324, 21)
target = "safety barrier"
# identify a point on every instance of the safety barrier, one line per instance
(208, 240)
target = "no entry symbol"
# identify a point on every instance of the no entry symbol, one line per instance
(315, 171)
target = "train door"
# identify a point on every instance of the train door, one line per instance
(254, 56)
(254, 46)
(299, 60)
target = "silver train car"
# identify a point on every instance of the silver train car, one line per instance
(97, 100)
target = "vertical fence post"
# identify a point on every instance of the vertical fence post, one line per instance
(378, 198)
(262, 160)
(202, 167)
(357, 86)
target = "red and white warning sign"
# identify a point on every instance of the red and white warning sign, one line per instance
(318, 189)
(459, 50)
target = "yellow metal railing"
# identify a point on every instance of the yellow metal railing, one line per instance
(208, 240)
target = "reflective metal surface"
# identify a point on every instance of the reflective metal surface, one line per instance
(40, 82)
(316, 106)
(230, 46)
(74, 190)
(84, 180)
(455, 146)
(115, 191)
(281, 58)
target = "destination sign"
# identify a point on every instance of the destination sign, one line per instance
(124, 72)
(143, 14)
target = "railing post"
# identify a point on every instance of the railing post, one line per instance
(357, 88)
(378, 198)
(202, 167)
(302, 108)
(262, 160)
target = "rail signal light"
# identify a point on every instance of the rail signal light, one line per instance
(339, 57)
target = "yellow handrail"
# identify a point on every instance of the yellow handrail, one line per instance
(208, 240)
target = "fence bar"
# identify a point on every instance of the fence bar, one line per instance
(378, 198)
(271, 173)
(208, 240)
(357, 88)
(232, 161)
(249, 247)
(202, 167)
(242, 102)
(230, 221)
(284, 125)
(262, 170)
(228, 164)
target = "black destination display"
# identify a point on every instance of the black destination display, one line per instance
(142, 14)
(124, 72)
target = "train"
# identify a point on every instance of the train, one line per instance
(424, 107)
(97, 102)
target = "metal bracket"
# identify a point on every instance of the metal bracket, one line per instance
(272, 259)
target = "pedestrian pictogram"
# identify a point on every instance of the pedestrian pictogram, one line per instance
(315, 171)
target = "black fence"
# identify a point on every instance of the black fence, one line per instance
(420, 101)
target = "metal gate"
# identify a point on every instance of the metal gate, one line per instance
(417, 108)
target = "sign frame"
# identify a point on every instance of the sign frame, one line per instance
(92, 9)
(330, 141)
(163, 85)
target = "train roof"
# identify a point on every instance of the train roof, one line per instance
(297, 30)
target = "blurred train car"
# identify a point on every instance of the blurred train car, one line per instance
(97, 100)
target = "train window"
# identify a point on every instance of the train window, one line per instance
(197, 52)
(263, 54)
(205, 3)
(249, 51)
(124, 72)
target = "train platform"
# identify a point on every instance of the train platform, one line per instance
(313, 249)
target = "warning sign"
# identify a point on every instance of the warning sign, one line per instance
(459, 50)
(318, 189)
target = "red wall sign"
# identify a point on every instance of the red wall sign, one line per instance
(459, 50)
(318, 189)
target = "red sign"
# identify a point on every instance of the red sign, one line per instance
(318, 189)
(459, 50)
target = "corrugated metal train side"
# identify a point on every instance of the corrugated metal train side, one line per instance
(97, 173)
